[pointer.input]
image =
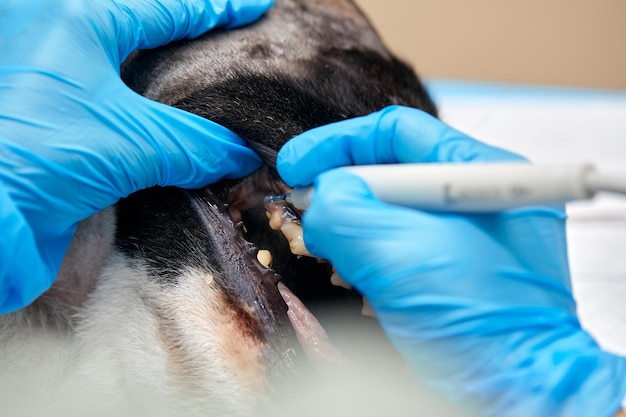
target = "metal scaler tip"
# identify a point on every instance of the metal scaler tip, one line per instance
(275, 198)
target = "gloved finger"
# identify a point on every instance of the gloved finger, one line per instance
(393, 135)
(175, 148)
(22, 281)
(151, 23)
(365, 238)
(532, 232)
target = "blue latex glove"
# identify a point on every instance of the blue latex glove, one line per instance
(74, 138)
(479, 305)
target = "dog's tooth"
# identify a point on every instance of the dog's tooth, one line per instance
(337, 281)
(282, 218)
(264, 257)
(293, 233)
(276, 219)
(367, 309)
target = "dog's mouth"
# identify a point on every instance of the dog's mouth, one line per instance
(270, 272)
(213, 241)
(311, 334)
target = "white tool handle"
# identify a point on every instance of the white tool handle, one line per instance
(471, 187)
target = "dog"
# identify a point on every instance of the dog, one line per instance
(161, 305)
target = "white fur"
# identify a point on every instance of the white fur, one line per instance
(118, 359)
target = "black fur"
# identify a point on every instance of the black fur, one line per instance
(341, 84)
(157, 227)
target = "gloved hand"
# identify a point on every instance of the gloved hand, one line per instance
(480, 306)
(74, 138)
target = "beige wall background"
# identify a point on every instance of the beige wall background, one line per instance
(547, 42)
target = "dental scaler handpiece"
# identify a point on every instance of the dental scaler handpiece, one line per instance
(475, 187)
